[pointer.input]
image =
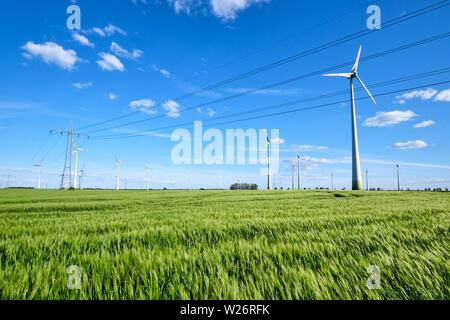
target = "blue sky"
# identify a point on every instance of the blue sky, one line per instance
(136, 55)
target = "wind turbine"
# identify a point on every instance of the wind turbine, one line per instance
(148, 176)
(81, 178)
(356, 168)
(398, 176)
(40, 172)
(299, 179)
(269, 146)
(75, 152)
(117, 166)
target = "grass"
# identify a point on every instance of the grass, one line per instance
(224, 244)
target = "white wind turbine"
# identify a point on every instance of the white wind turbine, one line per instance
(148, 175)
(269, 147)
(40, 172)
(117, 166)
(299, 178)
(75, 152)
(356, 169)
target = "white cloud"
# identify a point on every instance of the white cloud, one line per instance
(121, 52)
(209, 112)
(386, 119)
(112, 96)
(109, 62)
(51, 52)
(223, 9)
(228, 9)
(422, 94)
(172, 108)
(424, 124)
(109, 30)
(443, 96)
(165, 73)
(82, 85)
(143, 105)
(418, 144)
(311, 147)
(82, 39)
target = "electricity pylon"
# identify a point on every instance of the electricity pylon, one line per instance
(67, 171)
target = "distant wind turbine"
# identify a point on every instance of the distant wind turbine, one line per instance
(148, 175)
(75, 152)
(299, 178)
(269, 147)
(40, 172)
(117, 166)
(356, 168)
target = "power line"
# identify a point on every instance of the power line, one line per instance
(304, 76)
(275, 43)
(289, 103)
(298, 110)
(278, 63)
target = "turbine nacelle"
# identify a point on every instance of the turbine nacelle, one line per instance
(353, 74)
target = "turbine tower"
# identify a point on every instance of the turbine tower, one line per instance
(117, 166)
(148, 176)
(40, 172)
(81, 179)
(299, 178)
(398, 176)
(356, 168)
(269, 147)
(75, 152)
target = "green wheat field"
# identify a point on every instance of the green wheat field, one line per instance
(224, 244)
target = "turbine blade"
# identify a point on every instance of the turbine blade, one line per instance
(355, 67)
(264, 147)
(347, 75)
(366, 89)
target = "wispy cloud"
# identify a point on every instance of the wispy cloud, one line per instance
(443, 96)
(144, 105)
(109, 30)
(51, 53)
(424, 124)
(112, 96)
(388, 119)
(172, 108)
(422, 94)
(109, 62)
(225, 10)
(165, 73)
(417, 144)
(82, 40)
(123, 53)
(82, 85)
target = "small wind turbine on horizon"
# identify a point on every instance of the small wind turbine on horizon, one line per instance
(148, 175)
(269, 147)
(117, 166)
(356, 167)
(40, 172)
(299, 178)
(75, 152)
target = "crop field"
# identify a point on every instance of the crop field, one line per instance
(224, 244)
